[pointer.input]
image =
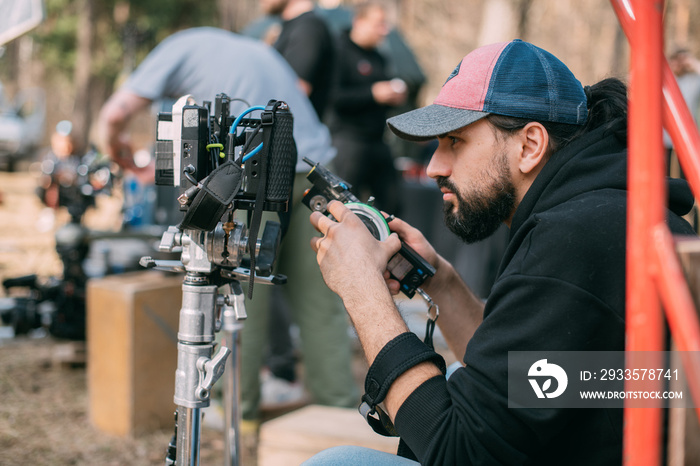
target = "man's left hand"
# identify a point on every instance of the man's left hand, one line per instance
(352, 261)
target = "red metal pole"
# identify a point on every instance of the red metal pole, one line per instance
(676, 117)
(683, 319)
(645, 210)
(680, 125)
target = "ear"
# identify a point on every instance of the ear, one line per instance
(535, 142)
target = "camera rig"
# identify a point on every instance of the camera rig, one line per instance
(217, 171)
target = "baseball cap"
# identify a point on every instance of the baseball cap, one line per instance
(513, 78)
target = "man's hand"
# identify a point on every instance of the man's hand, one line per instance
(119, 149)
(415, 239)
(388, 93)
(112, 125)
(352, 261)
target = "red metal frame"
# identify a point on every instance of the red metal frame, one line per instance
(654, 274)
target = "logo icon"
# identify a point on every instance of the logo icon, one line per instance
(543, 370)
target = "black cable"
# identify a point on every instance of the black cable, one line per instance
(248, 142)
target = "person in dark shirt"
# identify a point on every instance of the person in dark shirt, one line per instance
(362, 94)
(305, 42)
(520, 142)
(307, 45)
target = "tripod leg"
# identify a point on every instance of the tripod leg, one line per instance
(188, 435)
(196, 370)
(232, 399)
(232, 317)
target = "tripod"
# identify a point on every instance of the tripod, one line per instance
(204, 312)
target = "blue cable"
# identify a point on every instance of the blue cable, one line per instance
(235, 124)
(252, 153)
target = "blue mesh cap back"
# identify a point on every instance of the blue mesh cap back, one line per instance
(529, 82)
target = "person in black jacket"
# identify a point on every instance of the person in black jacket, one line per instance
(305, 41)
(362, 94)
(523, 143)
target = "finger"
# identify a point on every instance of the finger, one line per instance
(393, 243)
(338, 210)
(399, 226)
(320, 222)
(394, 286)
(315, 243)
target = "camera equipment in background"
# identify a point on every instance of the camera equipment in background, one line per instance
(406, 266)
(217, 171)
(58, 303)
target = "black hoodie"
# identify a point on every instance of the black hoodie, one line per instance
(560, 287)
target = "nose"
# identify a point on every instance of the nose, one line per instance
(439, 165)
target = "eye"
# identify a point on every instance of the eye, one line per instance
(453, 140)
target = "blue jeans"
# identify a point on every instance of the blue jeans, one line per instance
(349, 455)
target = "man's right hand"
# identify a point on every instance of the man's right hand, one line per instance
(112, 126)
(415, 239)
(120, 151)
(386, 93)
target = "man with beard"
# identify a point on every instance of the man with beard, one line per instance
(523, 143)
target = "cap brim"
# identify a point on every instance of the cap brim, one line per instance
(429, 122)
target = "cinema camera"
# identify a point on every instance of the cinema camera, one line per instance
(218, 171)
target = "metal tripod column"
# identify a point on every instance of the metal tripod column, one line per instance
(196, 370)
(232, 317)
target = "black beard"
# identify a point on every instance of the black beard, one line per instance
(479, 216)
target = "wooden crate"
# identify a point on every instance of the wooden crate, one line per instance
(297, 436)
(132, 322)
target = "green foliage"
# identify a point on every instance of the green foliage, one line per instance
(115, 44)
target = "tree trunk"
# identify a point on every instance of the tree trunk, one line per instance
(498, 22)
(234, 16)
(82, 76)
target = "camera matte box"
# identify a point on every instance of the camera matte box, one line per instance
(132, 322)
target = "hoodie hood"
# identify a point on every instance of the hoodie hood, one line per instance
(596, 161)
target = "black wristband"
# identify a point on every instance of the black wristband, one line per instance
(397, 356)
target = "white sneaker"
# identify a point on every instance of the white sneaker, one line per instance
(276, 393)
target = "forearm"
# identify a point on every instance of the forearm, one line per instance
(377, 322)
(374, 316)
(353, 263)
(352, 99)
(114, 117)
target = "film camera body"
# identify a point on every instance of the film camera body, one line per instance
(217, 171)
